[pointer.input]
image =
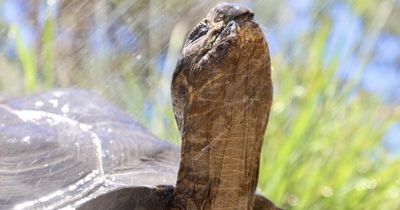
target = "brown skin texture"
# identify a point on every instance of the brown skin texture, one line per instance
(222, 95)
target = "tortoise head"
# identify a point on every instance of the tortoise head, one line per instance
(227, 12)
(222, 94)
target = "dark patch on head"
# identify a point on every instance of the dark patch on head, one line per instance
(227, 12)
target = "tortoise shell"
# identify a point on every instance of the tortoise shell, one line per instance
(63, 149)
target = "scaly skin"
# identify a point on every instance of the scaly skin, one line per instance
(222, 95)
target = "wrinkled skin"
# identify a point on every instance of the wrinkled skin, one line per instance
(222, 95)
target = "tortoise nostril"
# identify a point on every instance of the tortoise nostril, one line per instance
(248, 15)
(198, 32)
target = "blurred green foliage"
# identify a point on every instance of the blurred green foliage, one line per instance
(27, 59)
(47, 53)
(323, 148)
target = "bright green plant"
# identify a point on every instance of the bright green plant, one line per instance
(323, 148)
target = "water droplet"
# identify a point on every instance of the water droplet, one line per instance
(53, 102)
(85, 127)
(366, 184)
(58, 93)
(72, 187)
(51, 2)
(326, 191)
(65, 108)
(293, 200)
(39, 104)
(27, 139)
(298, 91)
(394, 192)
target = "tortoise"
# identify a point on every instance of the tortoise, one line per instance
(71, 149)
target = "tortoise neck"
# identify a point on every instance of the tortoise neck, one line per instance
(219, 168)
(222, 132)
(221, 104)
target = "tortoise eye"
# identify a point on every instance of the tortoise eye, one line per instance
(198, 32)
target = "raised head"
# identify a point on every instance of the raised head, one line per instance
(229, 12)
(222, 94)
